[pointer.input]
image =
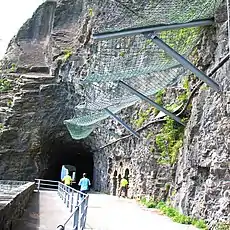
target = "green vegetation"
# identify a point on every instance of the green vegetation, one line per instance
(67, 54)
(204, 87)
(181, 39)
(1, 126)
(149, 135)
(151, 149)
(13, 67)
(174, 213)
(167, 187)
(91, 12)
(9, 103)
(122, 54)
(195, 56)
(223, 226)
(183, 97)
(170, 138)
(169, 141)
(159, 100)
(5, 85)
(143, 116)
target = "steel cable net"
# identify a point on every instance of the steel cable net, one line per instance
(135, 60)
(116, 15)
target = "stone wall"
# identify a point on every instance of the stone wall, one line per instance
(13, 204)
(136, 159)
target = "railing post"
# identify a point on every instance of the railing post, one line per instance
(39, 182)
(76, 215)
(72, 199)
(65, 195)
(85, 210)
(68, 196)
(76, 220)
(80, 215)
(58, 189)
(78, 206)
(62, 191)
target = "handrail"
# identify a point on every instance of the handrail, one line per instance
(74, 211)
(81, 206)
(39, 184)
(76, 200)
(47, 180)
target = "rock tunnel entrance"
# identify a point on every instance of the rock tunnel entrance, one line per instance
(72, 153)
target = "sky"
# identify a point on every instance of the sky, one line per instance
(13, 13)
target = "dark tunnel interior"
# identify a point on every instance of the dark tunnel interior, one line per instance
(70, 153)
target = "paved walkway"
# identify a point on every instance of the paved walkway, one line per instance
(112, 213)
(46, 211)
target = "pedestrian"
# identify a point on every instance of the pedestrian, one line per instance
(123, 187)
(67, 179)
(84, 184)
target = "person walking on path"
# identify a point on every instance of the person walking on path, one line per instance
(67, 179)
(123, 187)
(84, 184)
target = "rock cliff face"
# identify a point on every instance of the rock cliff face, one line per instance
(43, 93)
(203, 171)
(35, 103)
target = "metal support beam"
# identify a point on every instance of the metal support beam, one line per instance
(183, 61)
(122, 123)
(154, 104)
(141, 30)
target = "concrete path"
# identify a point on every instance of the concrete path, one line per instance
(112, 213)
(46, 211)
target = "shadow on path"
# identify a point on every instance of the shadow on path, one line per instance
(31, 217)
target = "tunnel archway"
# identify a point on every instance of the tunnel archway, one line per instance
(127, 174)
(60, 152)
(119, 180)
(115, 183)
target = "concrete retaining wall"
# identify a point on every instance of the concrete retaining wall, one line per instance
(13, 201)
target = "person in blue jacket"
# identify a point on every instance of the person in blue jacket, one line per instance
(84, 184)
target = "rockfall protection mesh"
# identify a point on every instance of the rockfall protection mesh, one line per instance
(135, 59)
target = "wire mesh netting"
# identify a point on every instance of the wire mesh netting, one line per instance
(135, 59)
(121, 14)
(129, 57)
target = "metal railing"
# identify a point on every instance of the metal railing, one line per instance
(46, 184)
(75, 201)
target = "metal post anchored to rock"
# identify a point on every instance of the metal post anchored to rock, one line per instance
(154, 104)
(183, 61)
(122, 123)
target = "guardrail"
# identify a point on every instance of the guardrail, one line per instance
(46, 184)
(76, 202)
